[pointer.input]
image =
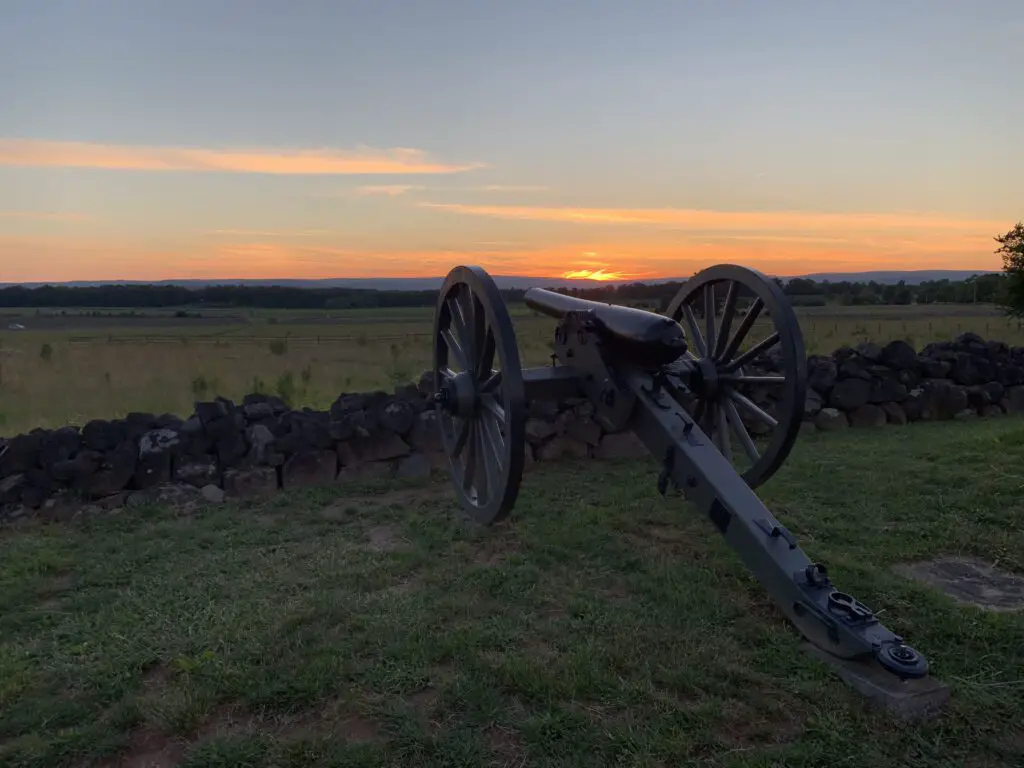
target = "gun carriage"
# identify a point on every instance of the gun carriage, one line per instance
(685, 383)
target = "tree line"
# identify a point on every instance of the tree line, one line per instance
(802, 292)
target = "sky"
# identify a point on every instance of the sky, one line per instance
(146, 140)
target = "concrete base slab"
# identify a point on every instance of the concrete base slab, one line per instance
(907, 699)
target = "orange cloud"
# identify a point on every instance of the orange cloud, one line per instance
(389, 190)
(694, 219)
(267, 233)
(40, 153)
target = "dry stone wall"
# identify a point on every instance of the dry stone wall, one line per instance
(255, 448)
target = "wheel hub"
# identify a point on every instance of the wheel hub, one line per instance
(704, 379)
(459, 395)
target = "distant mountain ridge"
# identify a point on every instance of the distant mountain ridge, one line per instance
(890, 277)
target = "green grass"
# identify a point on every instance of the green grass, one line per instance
(602, 625)
(165, 364)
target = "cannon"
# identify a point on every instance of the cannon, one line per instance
(690, 384)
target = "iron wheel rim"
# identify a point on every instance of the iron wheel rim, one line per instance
(472, 332)
(729, 361)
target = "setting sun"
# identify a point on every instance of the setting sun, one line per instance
(595, 274)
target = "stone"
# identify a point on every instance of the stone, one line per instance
(899, 354)
(21, 454)
(621, 445)
(894, 413)
(398, 417)
(991, 410)
(807, 428)
(258, 412)
(813, 402)
(231, 449)
(101, 435)
(906, 699)
(586, 431)
(11, 487)
(821, 374)
(309, 469)
(830, 420)
(970, 581)
(414, 465)
(887, 390)
(251, 482)
(538, 430)
(113, 475)
(152, 469)
(60, 445)
(425, 435)
(1014, 399)
(849, 394)
(380, 447)
(560, 447)
(942, 400)
(870, 351)
(261, 446)
(61, 507)
(197, 472)
(370, 470)
(867, 416)
(212, 494)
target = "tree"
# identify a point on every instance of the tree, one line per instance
(1011, 247)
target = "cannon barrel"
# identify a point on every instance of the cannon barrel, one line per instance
(558, 304)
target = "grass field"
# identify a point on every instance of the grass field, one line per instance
(601, 626)
(73, 366)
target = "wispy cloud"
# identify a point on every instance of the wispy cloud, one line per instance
(40, 153)
(285, 233)
(695, 219)
(44, 216)
(387, 190)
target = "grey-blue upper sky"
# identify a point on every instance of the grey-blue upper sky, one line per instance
(847, 107)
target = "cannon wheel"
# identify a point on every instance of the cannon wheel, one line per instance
(479, 393)
(725, 386)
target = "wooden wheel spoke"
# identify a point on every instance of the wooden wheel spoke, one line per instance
(456, 349)
(753, 409)
(491, 404)
(485, 359)
(728, 312)
(494, 452)
(695, 334)
(461, 437)
(709, 318)
(741, 333)
(470, 465)
(742, 379)
(722, 432)
(741, 432)
(491, 383)
(753, 353)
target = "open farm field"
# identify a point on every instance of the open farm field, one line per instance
(73, 365)
(600, 625)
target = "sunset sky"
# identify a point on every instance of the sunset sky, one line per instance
(257, 138)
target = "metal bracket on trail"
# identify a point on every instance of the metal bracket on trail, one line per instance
(714, 388)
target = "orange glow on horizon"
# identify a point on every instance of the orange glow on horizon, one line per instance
(58, 258)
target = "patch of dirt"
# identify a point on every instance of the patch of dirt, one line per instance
(970, 581)
(384, 538)
(505, 744)
(675, 542)
(157, 677)
(148, 748)
(423, 702)
(345, 506)
(494, 550)
(759, 723)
